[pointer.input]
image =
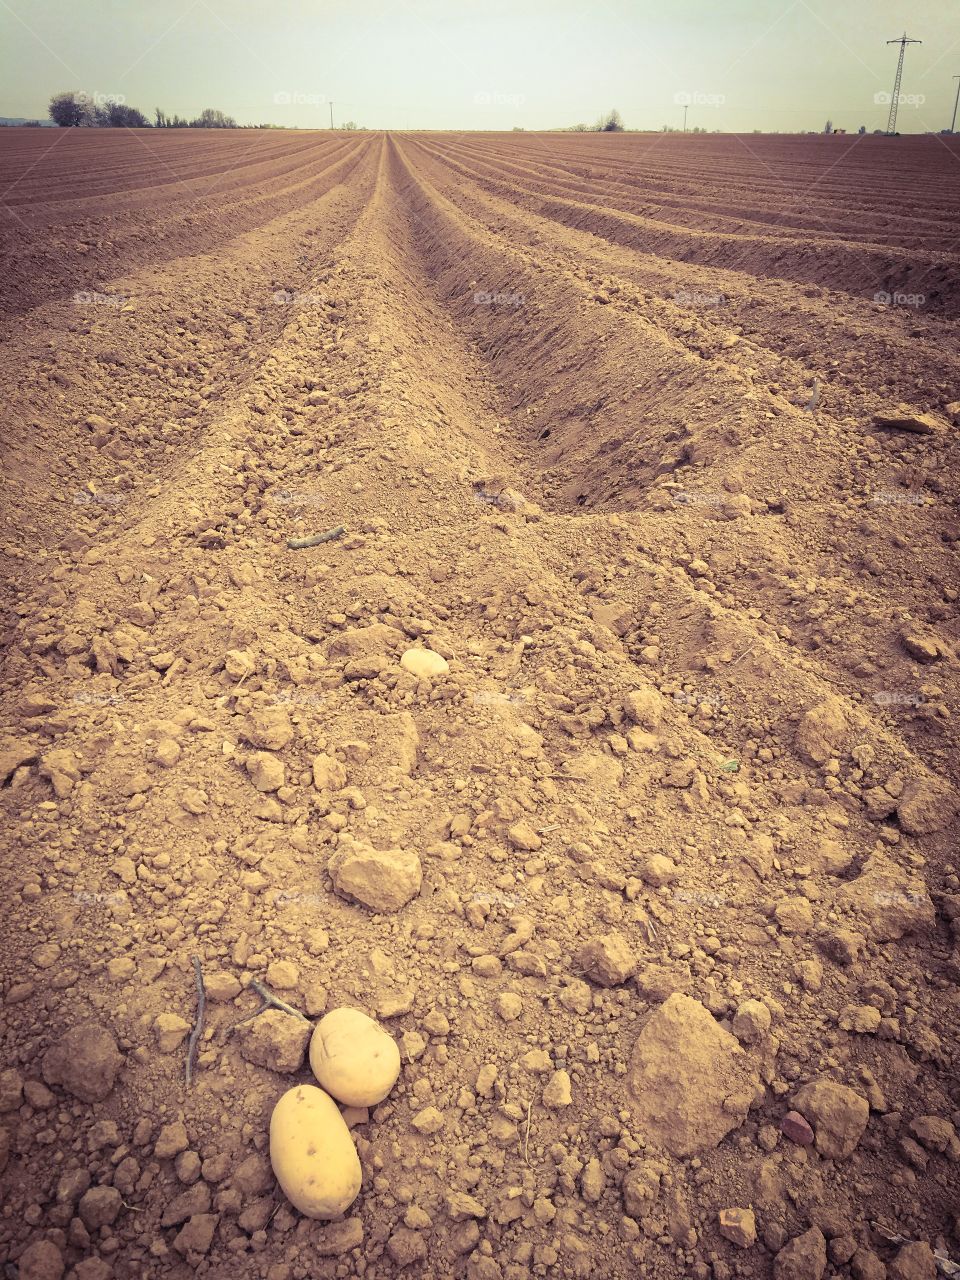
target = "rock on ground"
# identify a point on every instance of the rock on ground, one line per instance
(821, 731)
(384, 880)
(85, 1062)
(690, 1080)
(926, 806)
(41, 1260)
(887, 901)
(915, 1261)
(837, 1114)
(803, 1258)
(608, 960)
(275, 1040)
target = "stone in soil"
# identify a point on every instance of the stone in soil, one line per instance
(384, 880)
(275, 1040)
(795, 1127)
(926, 806)
(837, 1114)
(690, 1081)
(904, 419)
(85, 1062)
(803, 1258)
(887, 901)
(821, 731)
(608, 960)
(41, 1260)
(915, 1261)
(739, 1226)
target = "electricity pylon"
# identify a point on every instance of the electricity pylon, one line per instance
(902, 41)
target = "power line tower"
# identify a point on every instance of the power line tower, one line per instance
(902, 41)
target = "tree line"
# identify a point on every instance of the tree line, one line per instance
(612, 122)
(73, 110)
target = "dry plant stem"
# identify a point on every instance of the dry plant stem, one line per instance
(298, 544)
(268, 1000)
(198, 1027)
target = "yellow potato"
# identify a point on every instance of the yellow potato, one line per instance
(312, 1153)
(354, 1058)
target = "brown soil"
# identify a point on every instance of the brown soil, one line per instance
(598, 418)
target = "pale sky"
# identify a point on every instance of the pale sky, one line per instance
(785, 65)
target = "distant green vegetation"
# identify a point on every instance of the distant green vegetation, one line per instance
(77, 110)
(610, 123)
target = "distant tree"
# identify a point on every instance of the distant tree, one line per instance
(117, 115)
(610, 123)
(828, 127)
(862, 129)
(69, 110)
(578, 128)
(159, 119)
(210, 118)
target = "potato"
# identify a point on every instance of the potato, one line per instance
(312, 1153)
(354, 1058)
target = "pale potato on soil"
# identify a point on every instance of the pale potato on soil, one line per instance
(312, 1153)
(354, 1058)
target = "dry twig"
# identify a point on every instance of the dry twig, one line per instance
(298, 544)
(198, 1028)
(268, 1001)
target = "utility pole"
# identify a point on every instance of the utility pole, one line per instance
(331, 114)
(953, 126)
(685, 118)
(902, 41)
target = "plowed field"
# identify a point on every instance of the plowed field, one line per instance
(601, 742)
